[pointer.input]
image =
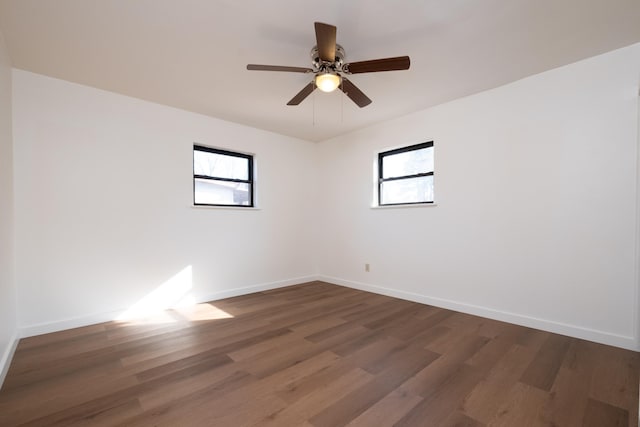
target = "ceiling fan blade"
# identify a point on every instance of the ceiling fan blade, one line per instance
(375, 65)
(354, 93)
(306, 91)
(326, 41)
(256, 67)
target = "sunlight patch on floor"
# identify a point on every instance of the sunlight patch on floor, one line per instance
(205, 311)
(172, 302)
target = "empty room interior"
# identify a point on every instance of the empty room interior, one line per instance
(286, 213)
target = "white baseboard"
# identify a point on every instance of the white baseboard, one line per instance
(92, 319)
(588, 334)
(69, 323)
(7, 356)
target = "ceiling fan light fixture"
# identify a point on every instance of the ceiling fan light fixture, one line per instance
(327, 82)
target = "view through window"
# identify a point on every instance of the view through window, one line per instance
(222, 178)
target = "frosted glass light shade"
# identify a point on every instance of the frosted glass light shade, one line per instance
(327, 82)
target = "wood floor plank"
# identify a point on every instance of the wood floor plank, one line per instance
(103, 417)
(429, 335)
(498, 345)
(263, 346)
(317, 355)
(543, 369)
(614, 378)
(494, 389)
(223, 340)
(43, 399)
(307, 370)
(393, 317)
(171, 410)
(186, 366)
(600, 414)
(439, 403)
(376, 312)
(316, 324)
(171, 392)
(305, 407)
(360, 342)
(396, 356)
(278, 359)
(354, 404)
(260, 391)
(388, 411)
(568, 398)
(318, 378)
(460, 346)
(370, 353)
(333, 331)
(532, 338)
(458, 419)
(436, 318)
(525, 406)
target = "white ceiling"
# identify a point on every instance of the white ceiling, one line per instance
(192, 54)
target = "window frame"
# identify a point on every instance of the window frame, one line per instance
(381, 180)
(249, 180)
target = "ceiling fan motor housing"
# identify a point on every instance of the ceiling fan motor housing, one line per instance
(320, 65)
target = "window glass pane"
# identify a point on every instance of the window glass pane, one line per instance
(410, 190)
(220, 165)
(408, 163)
(212, 192)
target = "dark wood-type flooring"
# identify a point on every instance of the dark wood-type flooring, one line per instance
(317, 355)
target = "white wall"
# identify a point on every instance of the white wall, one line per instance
(103, 205)
(8, 329)
(535, 187)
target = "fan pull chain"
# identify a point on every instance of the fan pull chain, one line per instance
(313, 121)
(341, 102)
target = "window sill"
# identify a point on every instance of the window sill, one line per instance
(416, 205)
(229, 208)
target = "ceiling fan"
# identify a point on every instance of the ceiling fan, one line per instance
(330, 70)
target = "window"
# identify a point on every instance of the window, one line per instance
(222, 178)
(405, 175)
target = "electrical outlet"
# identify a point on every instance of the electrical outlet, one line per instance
(366, 268)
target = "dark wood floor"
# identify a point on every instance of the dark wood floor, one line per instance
(317, 355)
